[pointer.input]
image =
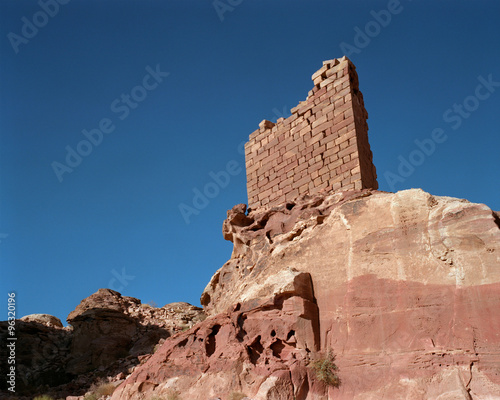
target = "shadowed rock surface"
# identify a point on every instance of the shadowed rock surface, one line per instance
(109, 334)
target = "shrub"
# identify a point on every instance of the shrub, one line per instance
(90, 396)
(326, 370)
(43, 397)
(101, 388)
(105, 389)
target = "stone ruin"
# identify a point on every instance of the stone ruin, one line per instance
(323, 145)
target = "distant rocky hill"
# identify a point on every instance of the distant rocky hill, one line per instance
(109, 335)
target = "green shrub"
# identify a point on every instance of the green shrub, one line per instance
(90, 396)
(43, 397)
(326, 370)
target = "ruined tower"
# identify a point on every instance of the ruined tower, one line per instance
(322, 145)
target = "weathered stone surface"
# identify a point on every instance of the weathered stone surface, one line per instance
(109, 326)
(260, 348)
(109, 335)
(407, 286)
(44, 319)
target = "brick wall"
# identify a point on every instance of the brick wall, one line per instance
(322, 145)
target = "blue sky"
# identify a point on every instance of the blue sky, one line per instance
(429, 72)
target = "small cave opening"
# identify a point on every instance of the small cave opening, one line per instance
(255, 350)
(277, 347)
(290, 334)
(211, 342)
(241, 333)
(273, 333)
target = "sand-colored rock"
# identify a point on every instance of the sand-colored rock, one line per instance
(109, 326)
(44, 319)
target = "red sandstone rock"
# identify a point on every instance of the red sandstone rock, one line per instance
(262, 344)
(407, 286)
(407, 289)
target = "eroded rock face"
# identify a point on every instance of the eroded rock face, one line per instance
(41, 352)
(109, 326)
(260, 347)
(403, 288)
(109, 335)
(407, 286)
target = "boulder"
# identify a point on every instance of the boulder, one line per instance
(44, 319)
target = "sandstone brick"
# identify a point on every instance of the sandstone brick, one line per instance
(324, 142)
(348, 166)
(320, 128)
(320, 72)
(340, 81)
(319, 150)
(326, 81)
(304, 189)
(301, 182)
(343, 123)
(355, 177)
(341, 94)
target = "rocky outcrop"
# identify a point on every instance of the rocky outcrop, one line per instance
(261, 345)
(403, 288)
(41, 352)
(406, 288)
(109, 335)
(44, 319)
(407, 285)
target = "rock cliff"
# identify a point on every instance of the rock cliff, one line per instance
(403, 288)
(352, 295)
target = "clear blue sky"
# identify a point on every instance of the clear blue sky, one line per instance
(114, 220)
